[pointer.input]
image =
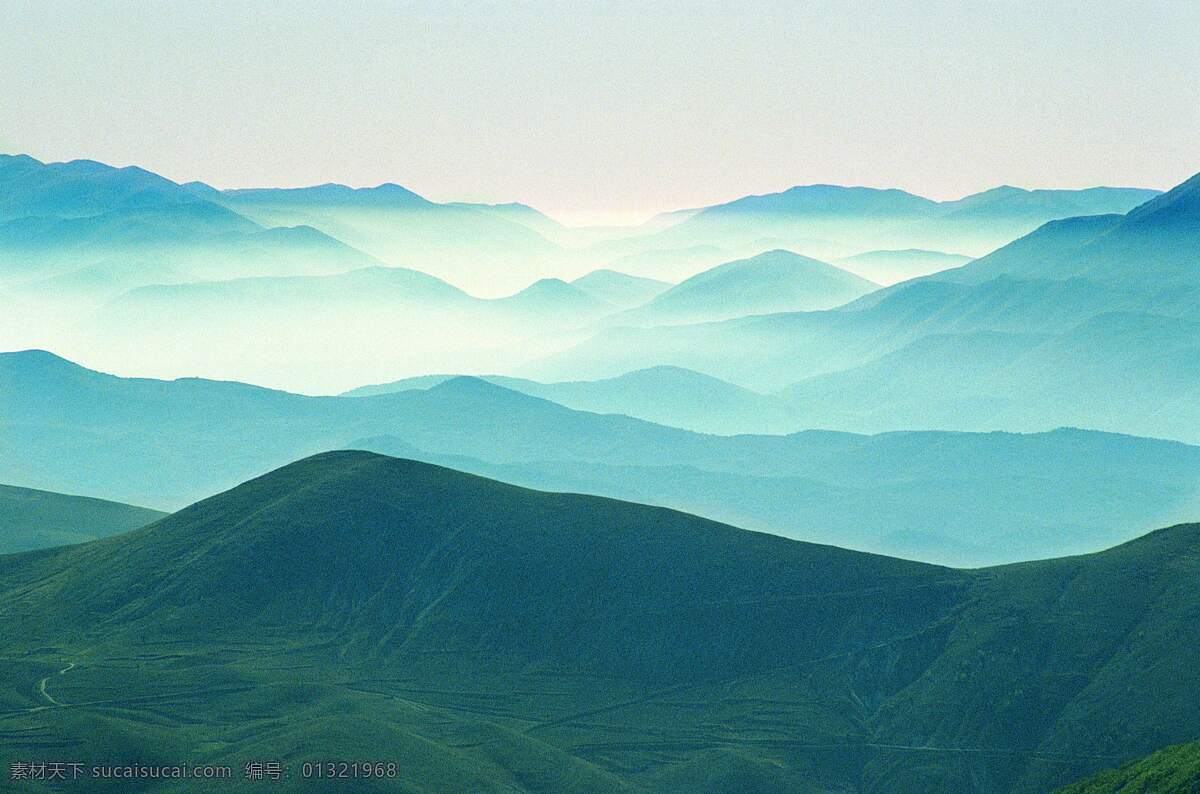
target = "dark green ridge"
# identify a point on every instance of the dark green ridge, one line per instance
(501, 638)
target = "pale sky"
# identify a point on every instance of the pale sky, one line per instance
(610, 110)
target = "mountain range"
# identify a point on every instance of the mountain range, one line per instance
(85, 230)
(483, 247)
(870, 218)
(486, 637)
(1088, 322)
(961, 498)
(323, 332)
(663, 395)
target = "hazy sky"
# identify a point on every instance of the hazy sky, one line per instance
(597, 110)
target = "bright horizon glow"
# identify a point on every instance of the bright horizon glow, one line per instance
(611, 113)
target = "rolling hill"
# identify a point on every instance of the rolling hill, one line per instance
(481, 635)
(32, 519)
(963, 498)
(663, 395)
(775, 281)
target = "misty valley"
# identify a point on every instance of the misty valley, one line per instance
(833, 489)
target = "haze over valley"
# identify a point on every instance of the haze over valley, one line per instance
(611, 397)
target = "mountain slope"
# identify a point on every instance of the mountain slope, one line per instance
(80, 188)
(32, 519)
(258, 546)
(1167, 771)
(1154, 245)
(775, 281)
(503, 635)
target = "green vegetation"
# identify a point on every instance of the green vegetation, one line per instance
(31, 519)
(1173, 770)
(491, 637)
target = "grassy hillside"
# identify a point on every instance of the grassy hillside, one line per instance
(495, 638)
(1172, 770)
(31, 519)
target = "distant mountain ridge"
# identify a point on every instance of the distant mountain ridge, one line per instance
(874, 218)
(32, 519)
(167, 443)
(76, 233)
(775, 281)
(1072, 285)
(665, 395)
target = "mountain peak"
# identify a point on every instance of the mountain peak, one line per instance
(19, 159)
(37, 360)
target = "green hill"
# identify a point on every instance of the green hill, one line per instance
(1172, 770)
(487, 636)
(32, 519)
